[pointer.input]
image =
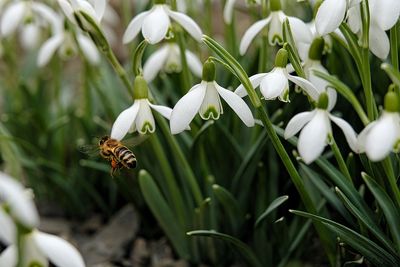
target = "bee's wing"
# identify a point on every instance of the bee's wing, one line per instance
(136, 140)
(90, 150)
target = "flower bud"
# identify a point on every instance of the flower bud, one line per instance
(323, 101)
(391, 102)
(281, 58)
(140, 88)
(275, 5)
(316, 49)
(208, 71)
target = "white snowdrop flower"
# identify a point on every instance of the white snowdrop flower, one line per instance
(204, 98)
(301, 33)
(315, 129)
(229, 7)
(29, 18)
(94, 8)
(382, 136)
(155, 23)
(383, 16)
(19, 204)
(63, 41)
(275, 84)
(331, 13)
(139, 116)
(38, 248)
(168, 58)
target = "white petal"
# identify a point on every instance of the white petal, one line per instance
(124, 121)
(89, 49)
(9, 257)
(382, 137)
(385, 12)
(186, 108)
(67, 9)
(378, 41)
(30, 36)
(228, 11)
(349, 133)
(194, 63)
(251, 33)
(298, 122)
(155, 63)
(44, 11)
(155, 25)
(275, 34)
(301, 32)
(274, 84)
(329, 16)
(20, 204)
(361, 140)
(48, 49)
(59, 251)
(100, 8)
(145, 120)
(237, 104)
(312, 139)
(12, 17)
(7, 229)
(211, 102)
(163, 110)
(354, 19)
(255, 81)
(308, 87)
(32, 253)
(134, 27)
(187, 23)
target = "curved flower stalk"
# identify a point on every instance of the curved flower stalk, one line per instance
(301, 33)
(156, 22)
(204, 98)
(382, 136)
(138, 117)
(64, 41)
(29, 18)
(331, 13)
(275, 84)
(168, 58)
(316, 128)
(21, 219)
(383, 16)
(229, 7)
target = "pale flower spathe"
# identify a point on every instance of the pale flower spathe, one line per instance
(94, 8)
(138, 117)
(204, 98)
(380, 137)
(168, 58)
(156, 22)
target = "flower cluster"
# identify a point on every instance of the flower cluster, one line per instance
(18, 222)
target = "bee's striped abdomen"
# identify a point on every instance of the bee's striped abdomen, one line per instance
(125, 156)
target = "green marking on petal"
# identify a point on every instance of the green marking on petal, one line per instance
(147, 127)
(35, 264)
(210, 113)
(276, 39)
(285, 96)
(396, 146)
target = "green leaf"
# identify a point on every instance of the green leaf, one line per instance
(162, 212)
(385, 202)
(392, 73)
(230, 204)
(373, 252)
(244, 249)
(274, 204)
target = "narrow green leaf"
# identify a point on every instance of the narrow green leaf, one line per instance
(373, 252)
(274, 204)
(392, 73)
(230, 204)
(162, 212)
(244, 249)
(385, 202)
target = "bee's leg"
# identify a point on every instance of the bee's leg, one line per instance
(114, 166)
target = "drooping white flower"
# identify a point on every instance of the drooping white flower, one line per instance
(331, 13)
(168, 58)
(315, 129)
(139, 116)
(301, 33)
(29, 18)
(19, 203)
(205, 98)
(383, 16)
(229, 7)
(155, 23)
(275, 84)
(94, 8)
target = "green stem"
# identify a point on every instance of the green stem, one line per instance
(208, 23)
(388, 167)
(173, 191)
(372, 110)
(394, 46)
(20, 246)
(262, 60)
(137, 58)
(186, 76)
(190, 177)
(119, 70)
(339, 158)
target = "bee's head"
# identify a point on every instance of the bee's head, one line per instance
(103, 140)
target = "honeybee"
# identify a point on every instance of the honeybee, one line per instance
(119, 155)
